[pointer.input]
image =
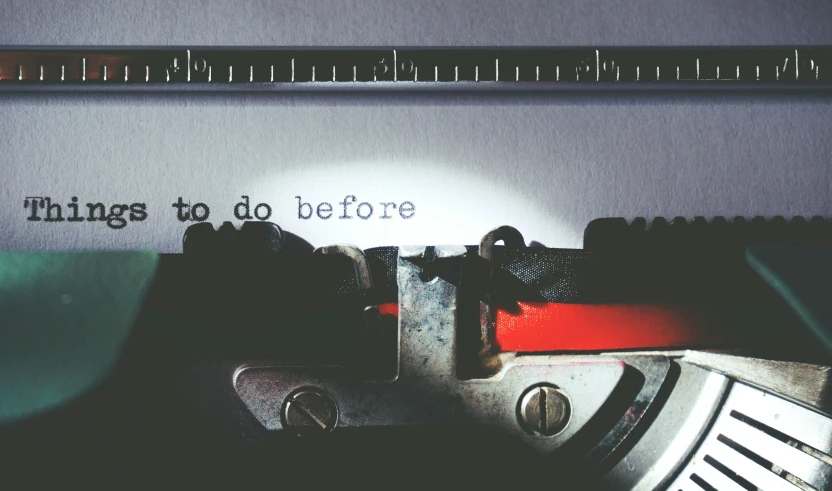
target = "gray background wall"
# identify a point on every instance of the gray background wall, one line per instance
(546, 164)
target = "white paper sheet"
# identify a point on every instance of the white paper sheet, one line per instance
(544, 164)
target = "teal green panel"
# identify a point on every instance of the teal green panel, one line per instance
(803, 277)
(64, 318)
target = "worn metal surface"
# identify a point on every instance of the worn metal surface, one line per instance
(802, 382)
(510, 236)
(673, 435)
(490, 360)
(655, 374)
(428, 391)
(765, 441)
(675, 396)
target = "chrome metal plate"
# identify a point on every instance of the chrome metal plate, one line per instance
(763, 441)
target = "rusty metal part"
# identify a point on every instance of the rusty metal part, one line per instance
(508, 235)
(490, 360)
(428, 391)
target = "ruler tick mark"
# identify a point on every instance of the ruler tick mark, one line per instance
(796, 66)
(230, 73)
(83, 69)
(104, 72)
(517, 74)
(63, 72)
(251, 73)
(147, 73)
(41, 73)
(293, 70)
(354, 73)
(638, 72)
(271, 74)
(537, 73)
(697, 69)
(476, 73)
(313, 73)
(126, 73)
(497, 70)
(435, 73)
(456, 73)
(557, 73)
(333, 73)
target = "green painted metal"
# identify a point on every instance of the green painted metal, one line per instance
(64, 319)
(803, 277)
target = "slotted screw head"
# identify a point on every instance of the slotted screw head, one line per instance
(309, 411)
(544, 410)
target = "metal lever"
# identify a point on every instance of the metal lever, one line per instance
(372, 355)
(490, 361)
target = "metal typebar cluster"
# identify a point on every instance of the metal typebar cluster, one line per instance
(687, 67)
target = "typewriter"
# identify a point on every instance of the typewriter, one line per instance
(663, 355)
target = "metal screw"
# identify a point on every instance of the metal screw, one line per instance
(544, 410)
(310, 411)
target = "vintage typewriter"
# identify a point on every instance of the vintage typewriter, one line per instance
(665, 354)
(668, 355)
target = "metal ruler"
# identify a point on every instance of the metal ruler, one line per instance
(214, 68)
